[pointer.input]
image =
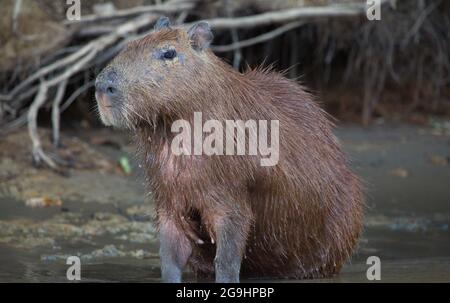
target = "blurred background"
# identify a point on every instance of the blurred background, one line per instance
(70, 187)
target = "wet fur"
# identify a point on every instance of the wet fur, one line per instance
(298, 219)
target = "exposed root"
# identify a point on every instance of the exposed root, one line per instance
(38, 153)
(83, 56)
(55, 111)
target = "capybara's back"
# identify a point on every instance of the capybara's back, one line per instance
(227, 214)
(306, 211)
(309, 207)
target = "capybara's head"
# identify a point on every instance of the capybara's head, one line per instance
(152, 76)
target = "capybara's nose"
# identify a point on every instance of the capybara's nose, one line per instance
(106, 83)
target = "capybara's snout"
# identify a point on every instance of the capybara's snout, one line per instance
(109, 96)
(107, 83)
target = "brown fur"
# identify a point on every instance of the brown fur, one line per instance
(298, 219)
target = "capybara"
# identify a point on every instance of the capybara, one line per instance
(226, 215)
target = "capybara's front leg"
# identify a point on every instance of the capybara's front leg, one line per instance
(231, 236)
(175, 250)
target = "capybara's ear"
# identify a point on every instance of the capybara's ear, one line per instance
(163, 22)
(200, 35)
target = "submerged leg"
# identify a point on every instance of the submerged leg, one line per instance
(175, 250)
(231, 233)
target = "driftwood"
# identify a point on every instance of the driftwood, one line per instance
(168, 8)
(258, 39)
(103, 36)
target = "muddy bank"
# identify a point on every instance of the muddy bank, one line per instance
(98, 209)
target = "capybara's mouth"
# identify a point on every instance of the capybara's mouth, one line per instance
(104, 108)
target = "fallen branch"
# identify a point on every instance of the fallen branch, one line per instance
(37, 151)
(55, 111)
(284, 16)
(75, 94)
(167, 8)
(258, 39)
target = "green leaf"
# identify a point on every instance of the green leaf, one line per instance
(125, 165)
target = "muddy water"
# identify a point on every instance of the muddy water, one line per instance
(407, 224)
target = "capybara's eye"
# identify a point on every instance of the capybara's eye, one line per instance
(170, 54)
